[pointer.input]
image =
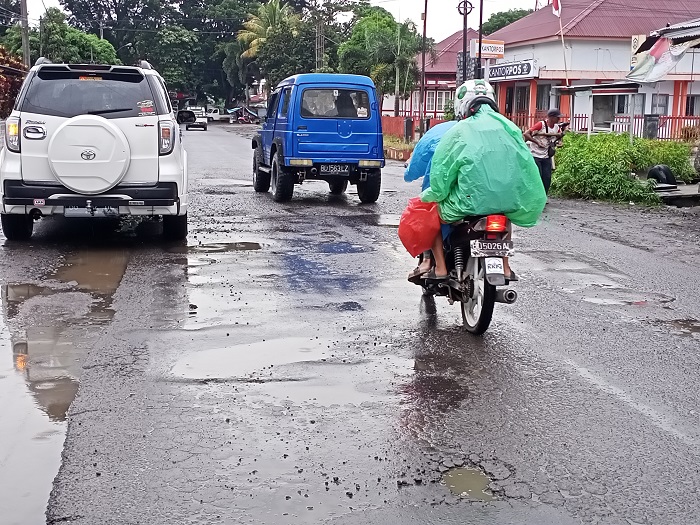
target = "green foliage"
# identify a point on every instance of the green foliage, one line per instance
(502, 19)
(600, 169)
(449, 109)
(269, 17)
(676, 155)
(8, 14)
(59, 42)
(287, 51)
(690, 133)
(176, 53)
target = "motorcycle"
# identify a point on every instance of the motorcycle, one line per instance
(474, 253)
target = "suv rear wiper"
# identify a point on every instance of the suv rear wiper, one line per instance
(103, 111)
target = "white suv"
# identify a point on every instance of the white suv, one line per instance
(92, 141)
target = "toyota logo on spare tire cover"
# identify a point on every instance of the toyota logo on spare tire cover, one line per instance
(88, 154)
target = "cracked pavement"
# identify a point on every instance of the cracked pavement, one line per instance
(279, 369)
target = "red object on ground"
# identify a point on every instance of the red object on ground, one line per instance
(419, 225)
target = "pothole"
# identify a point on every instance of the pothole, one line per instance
(684, 327)
(388, 219)
(468, 483)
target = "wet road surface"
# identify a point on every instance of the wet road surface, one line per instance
(278, 368)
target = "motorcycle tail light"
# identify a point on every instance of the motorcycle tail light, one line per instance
(496, 223)
(12, 134)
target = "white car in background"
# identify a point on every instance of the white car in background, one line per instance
(202, 121)
(96, 141)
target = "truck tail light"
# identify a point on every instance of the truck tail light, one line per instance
(166, 137)
(12, 134)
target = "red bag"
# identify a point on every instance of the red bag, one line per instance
(419, 225)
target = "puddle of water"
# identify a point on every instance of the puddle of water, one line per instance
(686, 327)
(468, 483)
(388, 219)
(226, 182)
(41, 331)
(255, 360)
(218, 247)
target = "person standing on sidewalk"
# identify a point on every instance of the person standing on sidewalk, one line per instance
(542, 139)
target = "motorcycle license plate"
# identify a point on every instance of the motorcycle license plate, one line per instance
(335, 169)
(494, 265)
(484, 248)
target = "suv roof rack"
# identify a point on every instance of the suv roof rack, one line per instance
(42, 60)
(145, 65)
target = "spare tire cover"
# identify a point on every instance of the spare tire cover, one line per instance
(89, 154)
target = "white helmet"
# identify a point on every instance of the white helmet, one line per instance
(468, 92)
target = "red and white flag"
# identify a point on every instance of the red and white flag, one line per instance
(556, 7)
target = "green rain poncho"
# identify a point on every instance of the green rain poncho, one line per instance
(483, 166)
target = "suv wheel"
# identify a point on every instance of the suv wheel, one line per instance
(368, 190)
(261, 180)
(175, 227)
(282, 182)
(338, 187)
(17, 227)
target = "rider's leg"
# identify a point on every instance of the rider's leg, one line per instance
(427, 262)
(506, 264)
(439, 254)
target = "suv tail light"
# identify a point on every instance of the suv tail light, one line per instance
(166, 137)
(12, 134)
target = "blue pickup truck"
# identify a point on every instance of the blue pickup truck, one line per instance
(320, 127)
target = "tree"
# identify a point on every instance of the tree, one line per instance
(503, 18)
(11, 77)
(256, 29)
(280, 56)
(59, 42)
(9, 14)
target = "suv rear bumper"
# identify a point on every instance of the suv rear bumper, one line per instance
(161, 199)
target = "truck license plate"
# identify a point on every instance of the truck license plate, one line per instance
(335, 169)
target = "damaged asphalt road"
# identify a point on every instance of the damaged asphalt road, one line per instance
(279, 369)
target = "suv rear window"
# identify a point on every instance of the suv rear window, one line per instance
(335, 103)
(72, 93)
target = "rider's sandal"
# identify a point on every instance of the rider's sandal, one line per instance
(418, 272)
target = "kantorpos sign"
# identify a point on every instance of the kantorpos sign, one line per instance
(522, 69)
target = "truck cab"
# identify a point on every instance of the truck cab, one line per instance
(320, 127)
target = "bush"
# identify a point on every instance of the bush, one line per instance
(449, 110)
(600, 168)
(676, 155)
(690, 133)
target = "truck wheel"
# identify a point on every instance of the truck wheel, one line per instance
(368, 190)
(282, 182)
(338, 187)
(17, 227)
(175, 227)
(261, 180)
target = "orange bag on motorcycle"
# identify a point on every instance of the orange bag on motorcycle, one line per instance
(419, 225)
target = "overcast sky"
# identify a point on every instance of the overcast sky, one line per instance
(443, 19)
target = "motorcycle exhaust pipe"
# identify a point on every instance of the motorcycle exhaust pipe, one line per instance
(506, 296)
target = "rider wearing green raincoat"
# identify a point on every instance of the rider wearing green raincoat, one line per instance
(482, 166)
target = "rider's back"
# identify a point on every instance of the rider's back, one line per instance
(483, 166)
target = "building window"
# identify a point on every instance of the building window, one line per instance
(543, 93)
(659, 104)
(692, 106)
(622, 106)
(430, 101)
(522, 99)
(440, 100)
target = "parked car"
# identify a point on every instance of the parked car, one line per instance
(201, 122)
(215, 114)
(320, 127)
(88, 140)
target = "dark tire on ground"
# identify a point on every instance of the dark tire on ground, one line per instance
(17, 227)
(670, 177)
(338, 187)
(175, 227)
(657, 174)
(261, 180)
(368, 191)
(282, 182)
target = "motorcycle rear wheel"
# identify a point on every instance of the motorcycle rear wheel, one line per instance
(477, 311)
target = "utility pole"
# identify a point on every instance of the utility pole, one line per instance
(421, 95)
(479, 73)
(102, 30)
(320, 45)
(26, 58)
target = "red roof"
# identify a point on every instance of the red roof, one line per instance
(604, 19)
(446, 51)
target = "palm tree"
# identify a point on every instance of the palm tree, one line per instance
(255, 30)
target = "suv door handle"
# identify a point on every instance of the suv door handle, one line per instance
(34, 133)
